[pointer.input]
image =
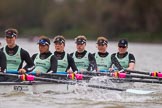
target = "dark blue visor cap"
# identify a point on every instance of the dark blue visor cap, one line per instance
(123, 43)
(44, 42)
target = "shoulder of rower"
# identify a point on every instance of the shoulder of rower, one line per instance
(131, 57)
(53, 58)
(69, 58)
(34, 56)
(113, 55)
(23, 51)
(91, 56)
(71, 54)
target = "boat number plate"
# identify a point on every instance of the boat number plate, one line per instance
(21, 88)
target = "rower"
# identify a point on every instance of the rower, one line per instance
(65, 61)
(44, 61)
(123, 58)
(15, 54)
(103, 58)
(84, 60)
(2, 64)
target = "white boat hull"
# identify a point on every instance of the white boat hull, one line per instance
(35, 87)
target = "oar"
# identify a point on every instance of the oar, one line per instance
(95, 73)
(136, 80)
(153, 74)
(57, 75)
(124, 75)
(70, 76)
(30, 77)
(135, 91)
(138, 72)
(117, 74)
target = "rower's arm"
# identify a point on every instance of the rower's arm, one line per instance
(131, 62)
(116, 62)
(71, 64)
(92, 63)
(53, 67)
(3, 62)
(29, 63)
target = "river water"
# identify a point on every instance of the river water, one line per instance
(148, 58)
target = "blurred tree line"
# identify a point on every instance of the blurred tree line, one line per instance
(138, 20)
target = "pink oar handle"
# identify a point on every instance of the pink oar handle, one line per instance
(79, 76)
(119, 75)
(30, 78)
(76, 76)
(156, 74)
(159, 74)
(25, 77)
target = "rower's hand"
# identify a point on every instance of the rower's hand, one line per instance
(83, 70)
(69, 71)
(22, 71)
(50, 72)
(111, 69)
(38, 72)
(121, 71)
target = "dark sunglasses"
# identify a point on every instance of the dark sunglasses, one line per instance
(122, 46)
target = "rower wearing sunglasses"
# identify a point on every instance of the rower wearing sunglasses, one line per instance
(123, 57)
(44, 61)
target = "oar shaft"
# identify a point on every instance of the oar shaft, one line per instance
(136, 80)
(105, 87)
(95, 73)
(140, 76)
(139, 72)
(40, 78)
(55, 75)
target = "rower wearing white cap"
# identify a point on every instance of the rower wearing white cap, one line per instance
(84, 60)
(126, 59)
